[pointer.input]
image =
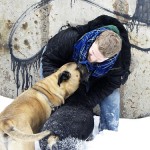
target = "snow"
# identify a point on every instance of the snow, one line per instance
(133, 134)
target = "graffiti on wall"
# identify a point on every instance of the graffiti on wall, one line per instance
(23, 66)
(142, 12)
(141, 15)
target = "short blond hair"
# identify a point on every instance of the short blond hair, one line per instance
(109, 43)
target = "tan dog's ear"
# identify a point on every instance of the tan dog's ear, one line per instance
(64, 76)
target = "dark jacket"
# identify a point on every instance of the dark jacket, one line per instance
(60, 49)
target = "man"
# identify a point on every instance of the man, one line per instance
(102, 45)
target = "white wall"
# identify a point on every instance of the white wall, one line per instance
(38, 25)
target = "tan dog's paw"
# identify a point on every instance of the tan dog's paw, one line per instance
(52, 140)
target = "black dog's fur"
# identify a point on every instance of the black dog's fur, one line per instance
(74, 119)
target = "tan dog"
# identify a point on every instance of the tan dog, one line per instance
(29, 111)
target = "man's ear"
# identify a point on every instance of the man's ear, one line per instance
(64, 76)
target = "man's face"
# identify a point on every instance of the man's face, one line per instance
(94, 55)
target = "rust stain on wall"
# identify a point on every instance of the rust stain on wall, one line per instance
(26, 42)
(7, 76)
(44, 17)
(122, 7)
(133, 38)
(0, 42)
(8, 24)
(25, 26)
(5, 28)
(36, 22)
(16, 47)
(3, 45)
(0, 36)
(15, 39)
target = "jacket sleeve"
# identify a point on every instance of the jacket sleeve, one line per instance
(58, 51)
(104, 87)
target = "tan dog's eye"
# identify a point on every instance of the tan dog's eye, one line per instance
(64, 76)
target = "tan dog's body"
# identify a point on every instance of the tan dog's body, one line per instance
(29, 111)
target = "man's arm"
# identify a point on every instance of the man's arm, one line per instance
(104, 86)
(59, 51)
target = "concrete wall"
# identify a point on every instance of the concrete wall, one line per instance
(36, 21)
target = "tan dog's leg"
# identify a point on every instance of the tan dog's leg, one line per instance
(3, 142)
(19, 145)
(15, 145)
(52, 140)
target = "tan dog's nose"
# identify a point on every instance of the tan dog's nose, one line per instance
(85, 74)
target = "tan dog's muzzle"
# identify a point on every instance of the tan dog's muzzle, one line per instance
(84, 73)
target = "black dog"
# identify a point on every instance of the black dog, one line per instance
(73, 119)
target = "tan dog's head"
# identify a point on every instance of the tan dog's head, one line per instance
(69, 77)
(63, 83)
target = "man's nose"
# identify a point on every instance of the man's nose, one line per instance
(89, 54)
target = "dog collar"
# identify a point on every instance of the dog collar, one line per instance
(49, 102)
(53, 107)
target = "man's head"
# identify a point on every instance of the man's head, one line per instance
(105, 46)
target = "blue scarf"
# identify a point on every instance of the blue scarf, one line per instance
(82, 47)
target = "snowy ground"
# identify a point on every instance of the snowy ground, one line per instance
(133, 134)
